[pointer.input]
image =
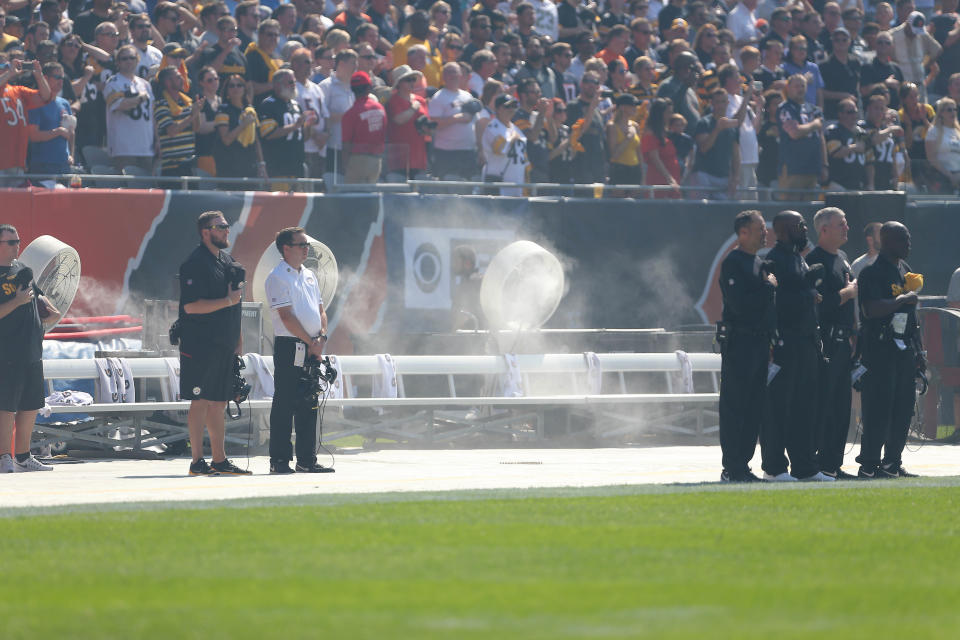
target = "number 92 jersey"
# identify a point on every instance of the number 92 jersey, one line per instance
(129, 133)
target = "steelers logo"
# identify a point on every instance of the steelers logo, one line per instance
(196, 391)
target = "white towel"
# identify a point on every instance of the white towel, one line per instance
(124, 377)
(385, 385)
(106, 386)
(263, 384)
(510, 383)
(594, 373)
(336, 390)
(170, 389)
(686, 371)
(65, 398)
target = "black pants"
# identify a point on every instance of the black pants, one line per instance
(793, 406)
(743, 379)
(290, 408)
(887, 398)
(833, 409)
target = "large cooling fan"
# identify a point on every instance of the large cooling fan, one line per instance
(320, 260)
(56, 269)
(522, 287)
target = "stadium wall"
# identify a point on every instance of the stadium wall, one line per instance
(629, 263)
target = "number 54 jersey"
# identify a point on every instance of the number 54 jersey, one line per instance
(129, 133)
(15, 101)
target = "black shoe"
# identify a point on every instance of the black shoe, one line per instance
(839, 474)
(227, 468)
(280, 468)
(726, 476)
(313, 467)
(201, 468)
(888, 472)
(867, 473)
(906, 474)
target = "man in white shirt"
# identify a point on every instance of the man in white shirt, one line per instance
(310, 98)
(739, 108)
(505, 147)
(300, 333)
(454, 143)
(148, 56)
(338, 98)
(545, 21)
(872, 235)
(742, 21)
(912, 45)
(130, 127)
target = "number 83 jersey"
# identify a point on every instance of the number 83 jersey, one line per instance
(129, 133)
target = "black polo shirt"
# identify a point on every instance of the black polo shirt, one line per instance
(836, 275)
(796, 298)
(21, 334)
(204, 277)
(839, 76)
(878, 71)
(849, 172)
(748, 298)
(883, 280)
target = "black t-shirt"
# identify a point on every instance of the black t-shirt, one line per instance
(85, 24)
(21, 334)
(949, 59)
(204, 277)
(883, 280)
(717, 160)
(590, 164)
(836, 275)
(748, 298)
(849, 172)
(839, 76)
(882, 156)
(236, 160)
(878, 71)
(284, 155)
(796, 297)
(235, 62)
(257, 71)
(768, 77)
(769, 140)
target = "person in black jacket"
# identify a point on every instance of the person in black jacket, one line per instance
(796, 353)
(836, 314)
(749, 321)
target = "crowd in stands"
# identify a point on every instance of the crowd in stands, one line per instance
(701, 98)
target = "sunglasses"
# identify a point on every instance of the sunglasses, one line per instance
(55, 77)
(849, 111)
(459, 47)
(271, 34)
(368, 57)
(219, 227)
(12, 243)
(234, 85)
(71, 44)
(125, 58)
(301, 245)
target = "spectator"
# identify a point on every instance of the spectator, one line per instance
(504, 148)
(453, 48)
(768, 140)
(771, 74)
(533, 120)
(943, 147)
(479, 35)
(561, 155)
(224, 56)
(946, 31)
(797, 63)
(883, 16)
(802, 150)
(683, 143)
(882, 71)
(247, 14)
(587, 131)
(175, 23)
(641, 40)
(454, 154)
(916, 117)
(869, 33)
(351, 17)
(953, 87)
(284, 127)
(747, 109)
(668, 14)
(617, 78)
(208, 18)
(810, 27)
(586, 47)
(780, 26)
(367, 61)
(705, 42)
(614, 15)
(15, 129)
(832, 20)
(717, 160)
(913, 48)
(526, 17)
(644, 89)
(841, 75)
(618, 40)
(310, 99)
(261, 63)
(742, 21)
(338, 40)
(406, 126)
(560, 56)
(129, 99)
(78, 73)
(440, 19)
(853, 23)
(337, 97)
(904, 9)
(209, 82)
(92, 115)
(623, 143)
(148, 55)
(885, 152)
(534, 67)
(491, 90)
(545, 20)
(871, 234)
(659, 153)
(679, 89)
(51, 134)
(286, 17)
(177, 119)
(36, 33)
(50, 13)
(383, 14)
(484, 64)
(419, 31)
(85, 23)
(574, 18)
(846, 149)
(364, 133)
(236, 149)
(323, 58)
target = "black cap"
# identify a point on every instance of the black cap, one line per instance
(505, 101)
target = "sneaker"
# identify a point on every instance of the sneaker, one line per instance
(888, 473)
(780, 477)
(313, 468)
(280, 468)
(201, 468)
(819, 476)
(839, 474)
(227, 468)
(906, 474)
(726, 476)
(867, 473)
(30, 464)
(6, 463)
(751, 477)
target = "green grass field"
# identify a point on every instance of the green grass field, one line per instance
(877, 561)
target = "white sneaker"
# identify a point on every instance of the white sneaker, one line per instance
(780, 477)
(30, 464)
(6, 463)
(819, 476)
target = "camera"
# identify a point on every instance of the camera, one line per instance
(316, 377)
(425, 126)
(236, 275)
(607, 94)
(241, 388)
(472, 106)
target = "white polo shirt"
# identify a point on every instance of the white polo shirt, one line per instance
(285, 287)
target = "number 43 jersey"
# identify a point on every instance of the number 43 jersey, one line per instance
(15, 103)
(129, 133)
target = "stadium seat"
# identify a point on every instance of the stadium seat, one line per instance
(139, 184)
(101, 183)
(205, 185)
(95, 156)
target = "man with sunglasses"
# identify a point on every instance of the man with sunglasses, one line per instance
(210, 340)
(847, 149)
(21, 356)
(14, 126)
(51, 143)
(841, 75)
(130, 130)
(300, 330)
(149, 57)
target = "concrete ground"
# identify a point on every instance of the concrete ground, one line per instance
(359, 472)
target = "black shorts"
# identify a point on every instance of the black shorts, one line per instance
(21, 386)
(206, 371)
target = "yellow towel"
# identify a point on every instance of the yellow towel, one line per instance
(249, 134)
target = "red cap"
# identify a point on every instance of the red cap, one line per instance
(360, 79)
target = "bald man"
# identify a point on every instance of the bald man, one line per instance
(892, 353)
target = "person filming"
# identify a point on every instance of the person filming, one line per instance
(300, 328)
